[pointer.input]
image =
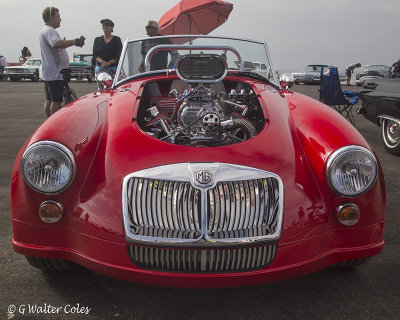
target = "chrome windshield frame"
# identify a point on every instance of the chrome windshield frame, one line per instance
(189, 47)
(127, 42)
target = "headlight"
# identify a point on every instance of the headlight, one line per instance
(351, 170)
(48, 167)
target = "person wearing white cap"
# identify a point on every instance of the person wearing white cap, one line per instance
(159, 59)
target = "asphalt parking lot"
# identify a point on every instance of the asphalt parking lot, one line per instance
(370, 292)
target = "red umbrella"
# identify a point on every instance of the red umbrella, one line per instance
(195, 17)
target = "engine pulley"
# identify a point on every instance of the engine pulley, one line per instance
(211, 122)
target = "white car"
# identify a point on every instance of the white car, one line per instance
(29, 70)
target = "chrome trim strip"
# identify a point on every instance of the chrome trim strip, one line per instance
(389, 118)
(225, 208)
(120, 63)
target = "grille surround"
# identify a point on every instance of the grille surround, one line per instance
(172, 222)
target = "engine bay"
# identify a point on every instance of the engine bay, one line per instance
(200, 114)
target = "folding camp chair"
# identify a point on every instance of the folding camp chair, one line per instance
(330, 93)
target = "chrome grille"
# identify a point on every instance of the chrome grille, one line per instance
(171, 209)
(211, 261)
(241, 209)
(164, 209)
(174, 205)
(78, 70)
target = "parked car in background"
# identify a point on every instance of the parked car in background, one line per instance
(368, 72)
(311, 74)
(82, 67)
(206, 175)
(28, 70)
(381, 105)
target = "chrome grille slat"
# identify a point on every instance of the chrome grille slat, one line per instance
(252, 204)
(168, 204)
(142, 204)
(248, 205)
(135, 217)
(263, 196)
(154, 203)
(185, 206)
(221, 207)
(237, 206)
(232, 197)
(172, 196)
(257, 202)
(157, 199)
(242, 205)
(202, 260)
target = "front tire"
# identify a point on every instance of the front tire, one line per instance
(69, 96)
(391, 136)
(50, 264)
(350, 264)
(35, 77)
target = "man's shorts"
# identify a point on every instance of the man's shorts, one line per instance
(54, 90)
(348, 73)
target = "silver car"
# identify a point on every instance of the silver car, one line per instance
(311, 74)
(372, 71)
(29, 70)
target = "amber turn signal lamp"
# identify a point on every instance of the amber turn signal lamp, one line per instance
(51, 211)
(348, 214)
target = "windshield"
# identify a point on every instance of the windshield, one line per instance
(314, 68)
(86, 58)
(32, 63)
(163, 52)
(377, 67)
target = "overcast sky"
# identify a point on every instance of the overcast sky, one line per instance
(298, 32)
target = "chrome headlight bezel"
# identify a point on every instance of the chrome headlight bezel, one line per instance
(349, 155)
(40, 150)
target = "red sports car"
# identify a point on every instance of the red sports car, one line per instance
(196, 168)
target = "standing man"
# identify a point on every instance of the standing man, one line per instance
(3, 64)
(159, 60)
(349, 71)
(54, 58)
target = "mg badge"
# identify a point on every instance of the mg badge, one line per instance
(203, 176)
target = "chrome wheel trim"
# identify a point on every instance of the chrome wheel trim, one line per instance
(391, 133)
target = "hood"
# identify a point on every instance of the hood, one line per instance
(125, 149)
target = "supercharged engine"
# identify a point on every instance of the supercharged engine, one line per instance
(199, 111)
(202, 117)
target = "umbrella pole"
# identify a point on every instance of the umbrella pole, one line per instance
(190, 30)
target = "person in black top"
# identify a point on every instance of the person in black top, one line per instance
(159, 60)
(107, 50)
(395, 69)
